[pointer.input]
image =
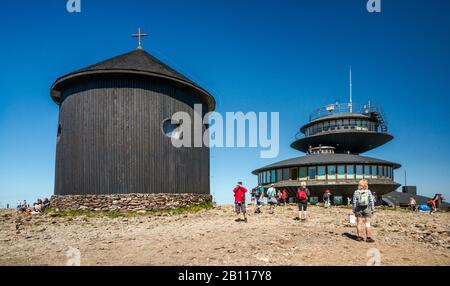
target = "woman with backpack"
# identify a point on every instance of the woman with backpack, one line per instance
(302, 196)
(363, 208)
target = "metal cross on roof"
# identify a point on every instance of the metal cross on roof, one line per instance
(139, 35)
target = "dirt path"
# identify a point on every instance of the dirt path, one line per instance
(213, 238)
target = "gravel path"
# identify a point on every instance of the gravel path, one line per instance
(212, 237)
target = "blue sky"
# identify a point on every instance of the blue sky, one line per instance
(289, 56)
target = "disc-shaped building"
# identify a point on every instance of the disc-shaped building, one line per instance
(333, 140)
(114, 129)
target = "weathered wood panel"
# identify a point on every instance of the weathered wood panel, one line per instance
(111, 140)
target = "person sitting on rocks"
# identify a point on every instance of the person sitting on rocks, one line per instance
(46, 203)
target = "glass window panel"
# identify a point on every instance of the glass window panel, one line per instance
(273, 176)
(321, 175)
(367, 172)
(331, 172)
(359, 171)
(285, 174)
(341, 172)
(312, 173)
(279, 175)
(374, 171)
(346, 123)
(380, 171)
(350, 171)
(303, 175)
(294, 174)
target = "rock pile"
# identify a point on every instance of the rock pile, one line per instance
(128, 202)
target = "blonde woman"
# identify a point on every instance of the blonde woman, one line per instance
(363, 208)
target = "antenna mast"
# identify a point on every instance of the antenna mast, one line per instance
(350, 105)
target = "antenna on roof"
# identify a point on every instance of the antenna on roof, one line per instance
(350, 104)
(139, 35)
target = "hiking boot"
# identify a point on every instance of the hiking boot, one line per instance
(359, 238)
(297, 218)
(370, 240)
(245, 219)
(237, 220)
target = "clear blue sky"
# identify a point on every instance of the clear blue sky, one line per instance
(287, 56)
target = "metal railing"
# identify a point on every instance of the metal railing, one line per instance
(339, 108)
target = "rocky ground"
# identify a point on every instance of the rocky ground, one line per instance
(212, 237)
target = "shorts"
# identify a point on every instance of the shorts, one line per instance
(363, 212)
(240, 207)
(302, 205)
(273, 201)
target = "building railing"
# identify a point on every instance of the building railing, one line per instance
(340, 108)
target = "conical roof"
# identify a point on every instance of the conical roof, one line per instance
(137, 62)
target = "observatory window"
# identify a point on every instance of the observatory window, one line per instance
(321, 175)
(279, 175)
(380, 171)
(170, 128)
(350, 171)
(359, 171)
(341, 172)
(374, 172)
(332, 172)
(333, 125)
(312, 173)
(346, 123)
(273, 176)
(326, 126)
(294, 173)
(285, 174)
(367, 174)
(303, 174)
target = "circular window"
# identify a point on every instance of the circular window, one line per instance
(171, 128)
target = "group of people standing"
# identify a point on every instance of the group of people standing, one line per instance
(363, 204)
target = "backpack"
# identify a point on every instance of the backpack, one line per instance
(302, 195)
(363, 198)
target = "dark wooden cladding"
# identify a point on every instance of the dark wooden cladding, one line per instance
(111, 140)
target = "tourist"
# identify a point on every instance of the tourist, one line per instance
(284, 196)
(46, 203)
(303, 195)
(279, 197)
(363, 208)
(349, 201)
(252, 194)
(412, 204)
(239, 201)
(257, 199)
(327, 198)
(271, 198)
(260, 201)
(19, 205)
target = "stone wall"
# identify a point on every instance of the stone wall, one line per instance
(128, 202)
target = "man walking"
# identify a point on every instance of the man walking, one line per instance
(239, 201)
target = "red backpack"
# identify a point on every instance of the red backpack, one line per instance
(302, 195)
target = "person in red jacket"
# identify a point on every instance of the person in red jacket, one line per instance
(239, 201)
